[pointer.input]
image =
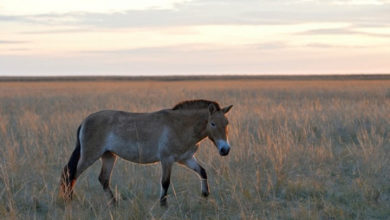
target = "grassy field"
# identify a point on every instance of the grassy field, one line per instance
(301, 149)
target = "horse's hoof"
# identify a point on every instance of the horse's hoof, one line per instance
(163, 203)
(113, 203)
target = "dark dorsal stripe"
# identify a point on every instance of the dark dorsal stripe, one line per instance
(195, 104)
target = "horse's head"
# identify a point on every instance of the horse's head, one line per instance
(217, 128)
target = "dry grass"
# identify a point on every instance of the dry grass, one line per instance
(301, 150)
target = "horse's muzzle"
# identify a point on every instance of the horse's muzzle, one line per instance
(224, 151)
(223, 147)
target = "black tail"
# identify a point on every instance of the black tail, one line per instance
(68, 176)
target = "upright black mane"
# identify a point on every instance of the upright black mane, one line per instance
(195, 104)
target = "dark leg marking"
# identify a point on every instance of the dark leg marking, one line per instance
(165, 186)
(202, 173)
(165, 181)
(205, 186)
(194, 165)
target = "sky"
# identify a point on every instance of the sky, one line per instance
(180, 37)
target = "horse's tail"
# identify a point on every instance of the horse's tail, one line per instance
(68, 176)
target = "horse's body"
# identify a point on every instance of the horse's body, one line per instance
(169, 136)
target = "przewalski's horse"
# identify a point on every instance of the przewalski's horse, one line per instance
(169, 136)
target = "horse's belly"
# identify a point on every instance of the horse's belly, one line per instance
(131, 150)
(137, 153)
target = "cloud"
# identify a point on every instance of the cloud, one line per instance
(320, 45)
(161, 50)
(58, 31)
(341, 31)
(332, 46)
(329, 31)
(272, 45)
(218, 12)
(13, 42)
(19, 49)
(11, 18)
(191, 49)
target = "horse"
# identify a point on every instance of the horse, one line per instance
(166, 136)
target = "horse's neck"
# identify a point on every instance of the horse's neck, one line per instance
(196, 122)
(200, 127)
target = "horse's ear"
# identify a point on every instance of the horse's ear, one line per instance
(212, 108)
(227, 109)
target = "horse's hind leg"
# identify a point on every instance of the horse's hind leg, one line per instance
(86, 160)
(108, 162)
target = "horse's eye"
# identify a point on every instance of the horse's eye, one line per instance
(212, 124)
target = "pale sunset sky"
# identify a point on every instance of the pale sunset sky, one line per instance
(179, 37)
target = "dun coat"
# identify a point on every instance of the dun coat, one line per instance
(168, 136)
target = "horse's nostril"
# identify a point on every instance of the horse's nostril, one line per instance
(224, 151)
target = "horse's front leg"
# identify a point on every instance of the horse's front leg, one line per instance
(193, 164)
(165, 180)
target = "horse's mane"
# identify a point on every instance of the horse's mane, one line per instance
(195, 104)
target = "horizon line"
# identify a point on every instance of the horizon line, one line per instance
(351, 76)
